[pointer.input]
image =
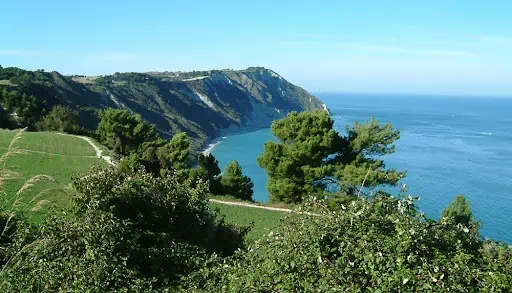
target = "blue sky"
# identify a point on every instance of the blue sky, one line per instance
(446, 47)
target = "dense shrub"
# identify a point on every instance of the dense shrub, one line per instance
(311, 157)
(370, 245)
(128, 230)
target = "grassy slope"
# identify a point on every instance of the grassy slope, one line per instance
(74, 157)
(263, 220)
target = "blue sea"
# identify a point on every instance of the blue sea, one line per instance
(448, 146)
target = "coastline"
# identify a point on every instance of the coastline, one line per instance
(212, 144)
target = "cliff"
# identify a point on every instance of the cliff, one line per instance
(205, 104)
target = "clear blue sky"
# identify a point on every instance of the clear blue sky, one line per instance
(453, 47)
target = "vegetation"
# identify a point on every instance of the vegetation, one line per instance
(235, 183)
(146, 224)
(43, 154)
(128, 231)
(123, 131)
(312, 159)
(260, 221)
(381, 244)
(60, 118)
(459, 212)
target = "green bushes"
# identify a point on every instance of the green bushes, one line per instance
(60, 118)
(127, 230)
(370, 245)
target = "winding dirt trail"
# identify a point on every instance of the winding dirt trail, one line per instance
(98, 151)
(242, 204)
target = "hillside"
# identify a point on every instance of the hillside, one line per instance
(205, 104)
(43, 154)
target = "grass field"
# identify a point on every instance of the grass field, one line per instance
(263, 220)
(49, 154)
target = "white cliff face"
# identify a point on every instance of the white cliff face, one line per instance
(261, 116)
(205, 99)
(116, 101)
(324, 106)
(269, 97)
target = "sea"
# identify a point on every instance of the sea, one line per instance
(448, 146)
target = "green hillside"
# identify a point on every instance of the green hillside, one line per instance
(262, 221)
(44, 153)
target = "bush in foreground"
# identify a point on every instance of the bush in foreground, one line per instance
(128, 232)
(370, 245)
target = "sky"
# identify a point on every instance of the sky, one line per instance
(423, 47)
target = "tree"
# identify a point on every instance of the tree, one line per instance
(311, 158)
(123, 131)
(60, 118)
(209, 164)
(459, 212)
(179, 149)
(236, 184)
(208, 170)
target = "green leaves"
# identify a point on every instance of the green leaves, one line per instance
(370, 246)
(128, 230)
(312, 159)
(123, 131)
(235, 183)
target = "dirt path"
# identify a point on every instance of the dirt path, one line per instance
(232, 203)
(98, 151)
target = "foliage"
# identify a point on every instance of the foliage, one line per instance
(209, 164)
(370, 245)
(311, 158)
(123, 131)
(27, 108)
(208, 170)
(60, 118)
(127, 231)
(235, 183)
(178, 150)
(459, 212)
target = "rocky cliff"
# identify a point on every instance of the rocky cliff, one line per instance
(205, 104)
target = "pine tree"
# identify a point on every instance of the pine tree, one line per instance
(236, 184)
(312, 158)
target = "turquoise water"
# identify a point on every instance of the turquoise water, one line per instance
(448, 145)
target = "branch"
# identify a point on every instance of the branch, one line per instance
(362, 185)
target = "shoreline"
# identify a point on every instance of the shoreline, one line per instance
(217, 140)
(212, 144)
